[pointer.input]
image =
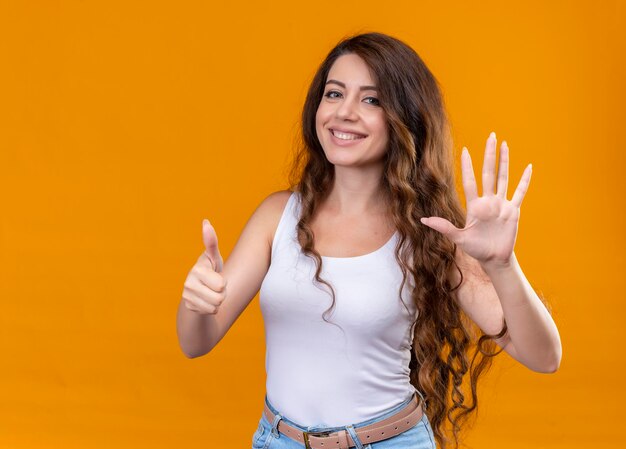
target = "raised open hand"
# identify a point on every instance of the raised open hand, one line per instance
(492, 220)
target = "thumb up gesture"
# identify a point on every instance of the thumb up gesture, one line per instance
(205, 287)
(211, 250)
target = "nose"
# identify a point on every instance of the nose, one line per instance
(346, 110)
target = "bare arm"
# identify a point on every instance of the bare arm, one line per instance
(241, 278)
(532, 337)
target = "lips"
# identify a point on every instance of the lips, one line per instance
(339, 142)
(345, 131)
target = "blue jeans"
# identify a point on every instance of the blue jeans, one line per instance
(419, 436)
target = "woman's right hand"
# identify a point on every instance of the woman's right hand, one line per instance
(205, 287)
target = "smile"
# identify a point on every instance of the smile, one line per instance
(346, 136)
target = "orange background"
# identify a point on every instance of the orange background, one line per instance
(123, 124)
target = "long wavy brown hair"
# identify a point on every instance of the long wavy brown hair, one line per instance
(418, 176)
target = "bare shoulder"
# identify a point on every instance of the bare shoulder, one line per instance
(276, 201)
(270, 211)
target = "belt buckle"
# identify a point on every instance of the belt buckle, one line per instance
(315, 434)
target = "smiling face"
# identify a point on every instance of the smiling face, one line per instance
(350, 124)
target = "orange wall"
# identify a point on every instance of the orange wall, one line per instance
(123, 124)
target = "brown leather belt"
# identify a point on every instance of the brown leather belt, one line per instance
(394, 425)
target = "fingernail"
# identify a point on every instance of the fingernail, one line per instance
(492, 135)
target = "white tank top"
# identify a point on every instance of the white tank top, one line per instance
(318, 375)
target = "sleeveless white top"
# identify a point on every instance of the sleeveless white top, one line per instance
(317, 374)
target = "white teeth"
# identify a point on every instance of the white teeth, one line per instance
(346, 136)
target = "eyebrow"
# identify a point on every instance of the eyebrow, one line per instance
(339, 83)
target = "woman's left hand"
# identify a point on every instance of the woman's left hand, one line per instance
(491, 224)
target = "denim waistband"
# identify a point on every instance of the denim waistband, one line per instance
(380, 417)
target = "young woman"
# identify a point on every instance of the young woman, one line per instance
(374, 283)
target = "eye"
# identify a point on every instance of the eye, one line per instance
(375, 101)
(330, 92)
